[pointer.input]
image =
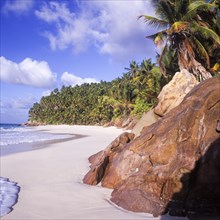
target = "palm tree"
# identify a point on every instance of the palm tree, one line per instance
(182, 30)
(146, 66)
(133, 68)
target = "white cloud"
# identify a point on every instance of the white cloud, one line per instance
(111, 26)
(18, 103)
(28, 72)
(55, 11)
(15, 109)
(18, 6)
(71, 31)
(46, 93)
(4, 105)
(13, 116)
(69, 79)
(22, 103)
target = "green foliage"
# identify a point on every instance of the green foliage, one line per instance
(140, 107)
(98, 103)
(188, 33)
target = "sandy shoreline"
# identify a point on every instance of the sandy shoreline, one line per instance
(51, 178)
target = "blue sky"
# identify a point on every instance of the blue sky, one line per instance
(49, 43)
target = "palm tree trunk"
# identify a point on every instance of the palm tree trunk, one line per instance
(186, 60)
(200, 71)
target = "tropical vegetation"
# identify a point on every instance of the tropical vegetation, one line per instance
(99, 103)
(188, 33)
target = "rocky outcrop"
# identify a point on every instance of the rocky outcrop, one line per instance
(170, 96)
(100, 162)
(147, 119)
(127, 123)
(173, 93)
(174, 165)
(33, 123)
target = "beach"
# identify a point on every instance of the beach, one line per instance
(51, 178)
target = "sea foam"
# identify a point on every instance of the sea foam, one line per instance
(8, 195)
(16, 134)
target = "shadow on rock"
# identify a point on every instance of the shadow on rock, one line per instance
(199, 197)
(173, 166)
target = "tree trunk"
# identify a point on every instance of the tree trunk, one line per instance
(186, 60)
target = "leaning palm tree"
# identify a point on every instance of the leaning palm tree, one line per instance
(182, 30)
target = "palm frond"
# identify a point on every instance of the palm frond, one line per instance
(180, 8)
(165, 10)
(158, 38)
(177, 27)
(200, 50)
(216, 67)
(153, 36)
(206, 33)
(178, 5)
(154, 22)
(200, 5)
(194, 6)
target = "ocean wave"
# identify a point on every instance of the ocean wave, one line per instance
(11, 135)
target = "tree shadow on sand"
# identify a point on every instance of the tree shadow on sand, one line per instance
(199, 198)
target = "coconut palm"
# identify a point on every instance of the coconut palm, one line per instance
(182, 30)
(132, 69)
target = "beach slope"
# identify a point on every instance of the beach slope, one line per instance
(51, 178)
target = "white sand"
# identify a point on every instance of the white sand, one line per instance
(51, 179)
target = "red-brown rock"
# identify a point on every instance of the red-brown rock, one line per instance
(178, 159)
(101, 160)
(174, 165)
